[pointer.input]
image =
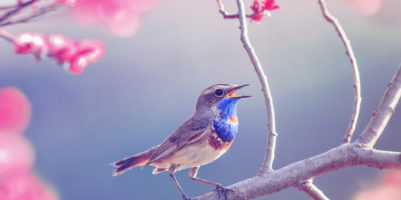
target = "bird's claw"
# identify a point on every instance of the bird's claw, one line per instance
(185, 197)
(221, 189)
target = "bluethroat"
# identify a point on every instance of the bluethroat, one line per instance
(200, 140)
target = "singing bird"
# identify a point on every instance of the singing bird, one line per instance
(200, 140)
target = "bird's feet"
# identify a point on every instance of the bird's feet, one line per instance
(222, 191)
(185, 197)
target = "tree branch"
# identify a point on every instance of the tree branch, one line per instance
(6, 19)
(335, 159)
(383, 113)
(16, 9)
(226, 15)
(359, 153)
(267, 165)
(42, 11)
(357, 83)
(6, 35)
(310, 189)
(223, 11)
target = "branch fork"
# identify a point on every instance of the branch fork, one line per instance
(300, 174)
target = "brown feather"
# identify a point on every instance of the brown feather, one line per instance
(187, 133)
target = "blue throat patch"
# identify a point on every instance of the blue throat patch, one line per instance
(224, 128)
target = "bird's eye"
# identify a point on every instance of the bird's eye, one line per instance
(219, 92)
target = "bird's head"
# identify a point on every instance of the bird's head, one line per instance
(221, 96)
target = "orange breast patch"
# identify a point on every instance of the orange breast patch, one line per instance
(233, 119)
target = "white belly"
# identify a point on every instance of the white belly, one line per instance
(192, 155)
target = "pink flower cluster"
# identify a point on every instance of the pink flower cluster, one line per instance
(17, 182)
(259, 11)
(75, 54)
(120, 17)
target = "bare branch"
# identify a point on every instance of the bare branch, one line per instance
(42, 11)
(223, 11)
(335, 159)
(16, 10)
(6, 35)
(226, 15)
(310, 189)
(383, 113)
(267, 165)
(359, 153)
(357, 83)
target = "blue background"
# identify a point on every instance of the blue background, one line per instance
(147, 85)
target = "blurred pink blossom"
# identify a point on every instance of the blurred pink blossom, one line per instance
(259, 11)
(24, 186)
(75, 53)
(16, 154)
(15, 111)
(61, 48)
(78, 54)
(68, 3)
(31, 43)
(120, 17)
(389, 188)
(366, 7)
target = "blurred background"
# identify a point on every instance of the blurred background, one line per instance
(147, 84)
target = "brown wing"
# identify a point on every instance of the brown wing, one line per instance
(187, 133)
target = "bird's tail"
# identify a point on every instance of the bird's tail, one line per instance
(128, 163)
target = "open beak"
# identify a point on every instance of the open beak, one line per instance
(232, 92)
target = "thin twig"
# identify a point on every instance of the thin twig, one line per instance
(357, 83)
(42, 11)
(223, 11)
(267, 165)
(17, 9)
(227, 15)
(6, 35)
(383, 113)
(310, 189)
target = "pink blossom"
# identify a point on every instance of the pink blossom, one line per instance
(33, 43)
(270, 5)
(366, 7)
(91, 50)
(88, 51)
(24, 186)
(61, 48)
(120, 17)
(77, 66)
(76, 54)
(15, 111)
(259, 11)
(16, 154)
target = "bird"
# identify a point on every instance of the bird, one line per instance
(200, 140)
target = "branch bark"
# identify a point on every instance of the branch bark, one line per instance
(310, 189)
(383, 113)
(267, 165)
(289, 176)
(357, 82)
(16, 9)
(6, 19)
(6, 35)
